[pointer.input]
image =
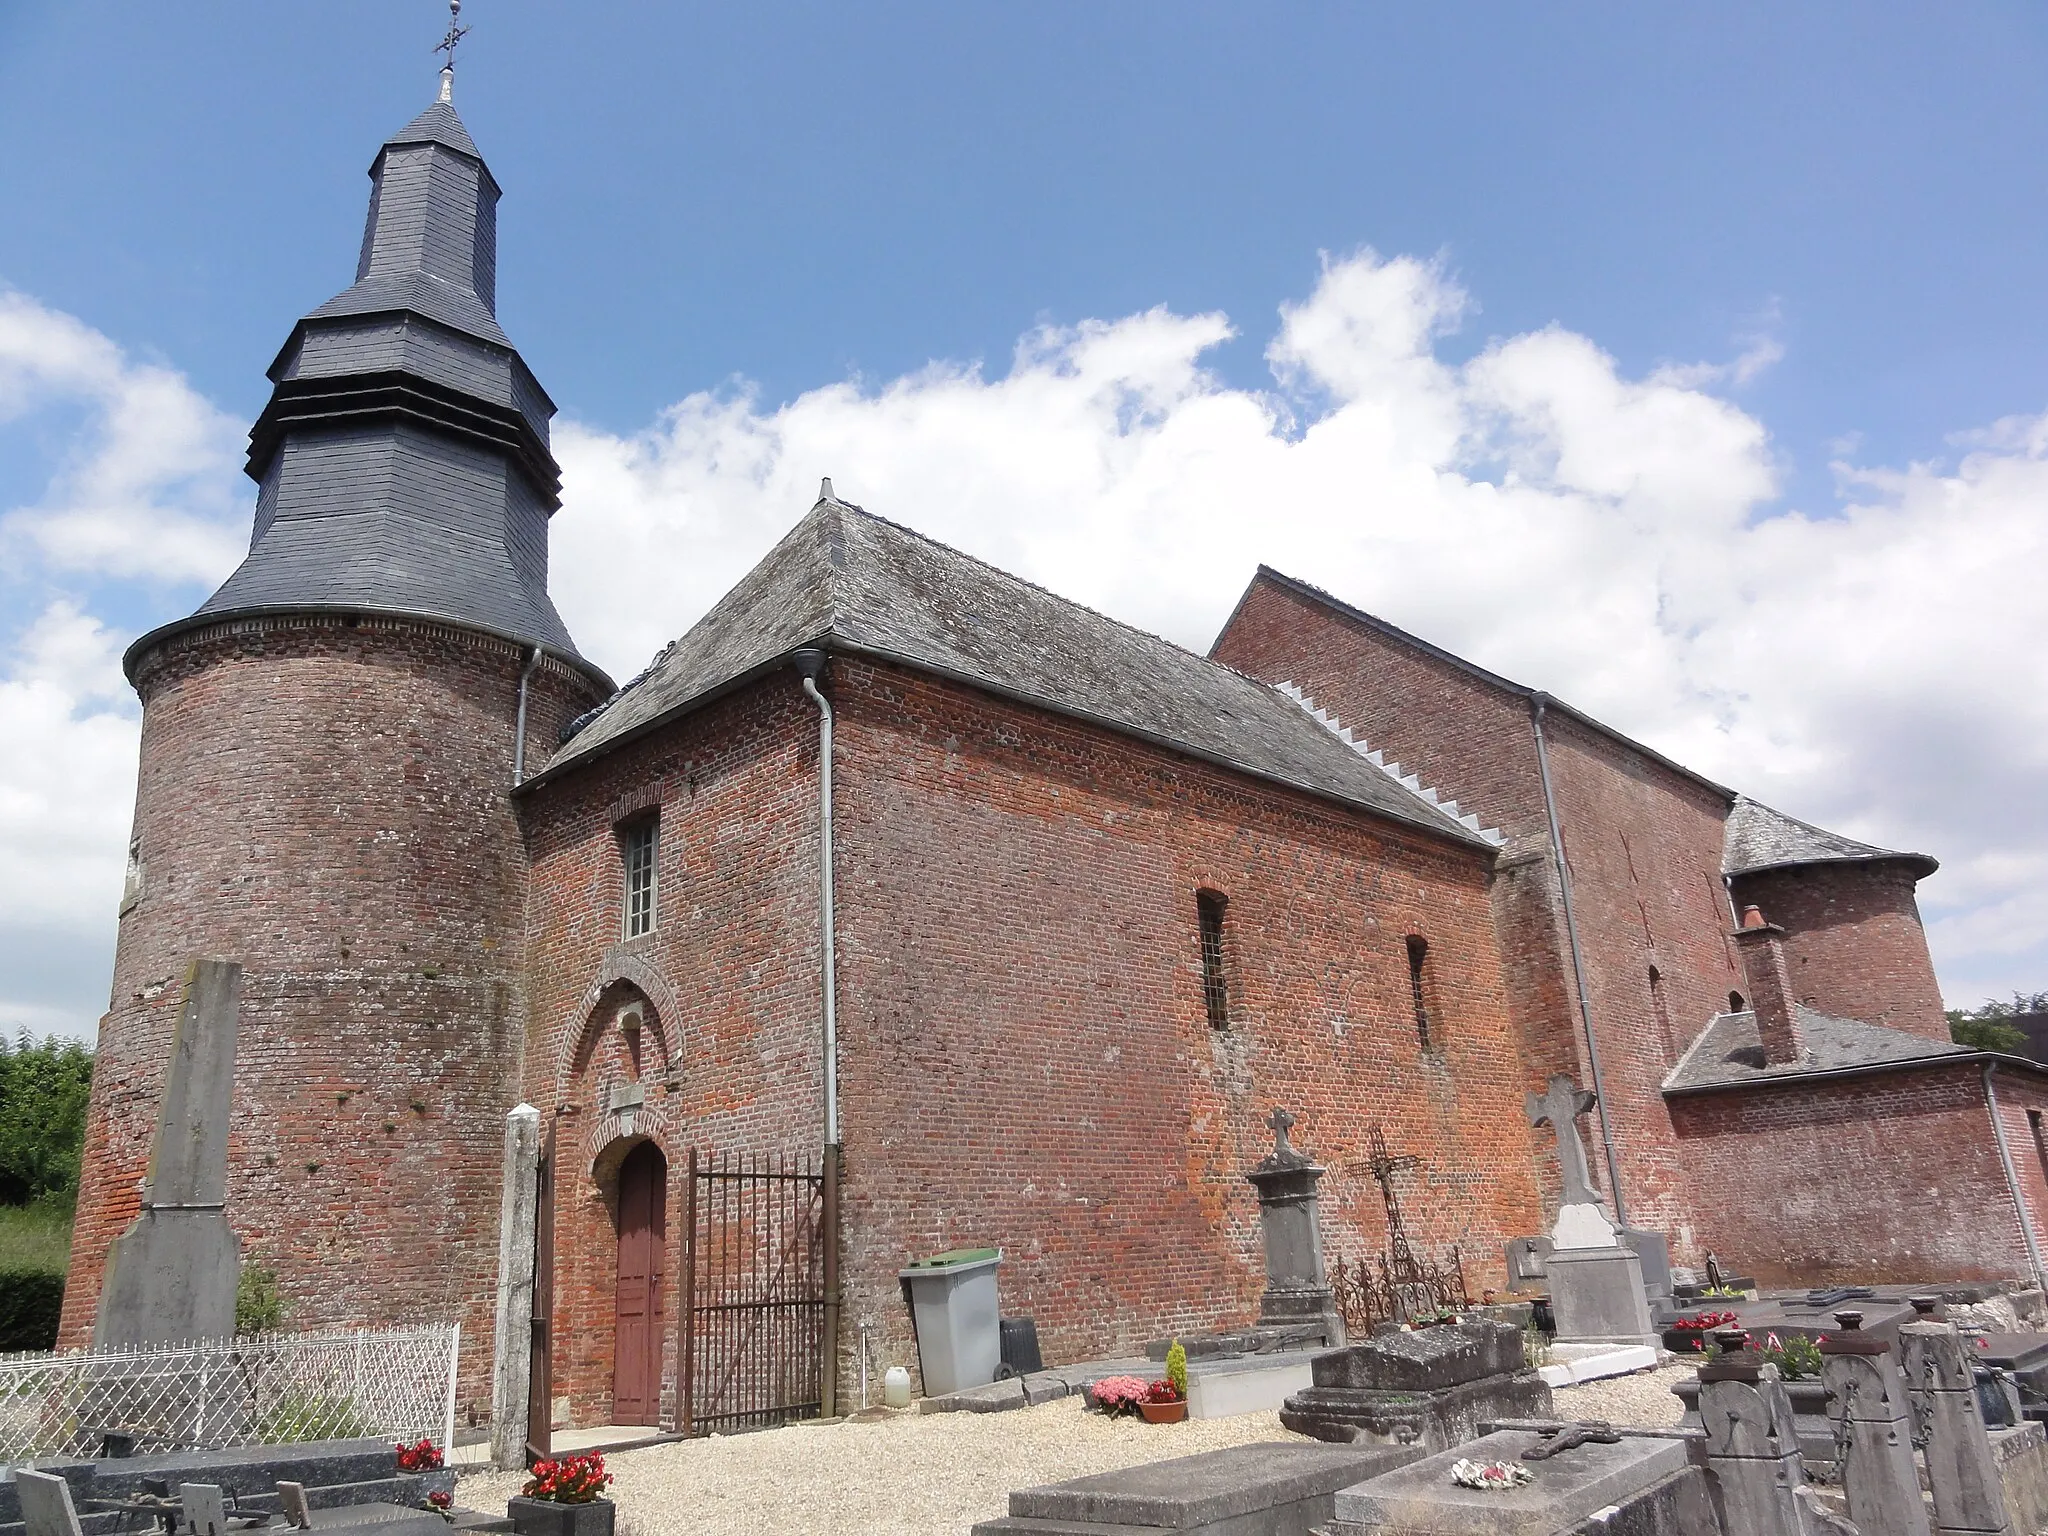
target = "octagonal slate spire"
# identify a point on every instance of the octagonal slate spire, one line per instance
(403, 462)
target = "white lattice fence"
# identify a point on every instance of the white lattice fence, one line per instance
(270, 1389)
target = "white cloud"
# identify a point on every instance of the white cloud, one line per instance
(1879, 666)
(147, 490)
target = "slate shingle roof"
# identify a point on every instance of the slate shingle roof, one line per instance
(1729, 1051)
(854, 582)
(1758, 838)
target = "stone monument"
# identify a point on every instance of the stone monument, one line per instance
(1962, 1469)
(1298, 1296)
(1752, 1445)
(1873, 1431)
(1596, 1280)
(171, 1276)
(1427, 1386)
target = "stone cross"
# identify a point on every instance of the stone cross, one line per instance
(1281, 1122)
(1560, 1108)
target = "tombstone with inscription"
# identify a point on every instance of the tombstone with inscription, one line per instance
(171, 1276)
(1298, 1297)
(1596, 1280)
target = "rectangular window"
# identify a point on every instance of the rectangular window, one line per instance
(1215, 989)
(1418, 963)
(637, 848)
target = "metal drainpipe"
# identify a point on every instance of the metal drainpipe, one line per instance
(1571, 928)
(519, 734)
(812, 664)
(2012, 1177)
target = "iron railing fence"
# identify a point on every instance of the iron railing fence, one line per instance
(265, 1389)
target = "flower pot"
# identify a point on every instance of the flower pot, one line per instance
(1164, 1413)
(544, 1517)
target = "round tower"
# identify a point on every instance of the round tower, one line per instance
(329, 746)
(1854, 944)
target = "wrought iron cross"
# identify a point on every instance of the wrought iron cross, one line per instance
(1384, 1166)
(456, 33)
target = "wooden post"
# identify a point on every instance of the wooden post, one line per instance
(828, 1364)
(688, 1362)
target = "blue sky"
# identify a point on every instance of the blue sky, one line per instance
(1819, 230)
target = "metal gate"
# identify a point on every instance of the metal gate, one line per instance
(760, 1291)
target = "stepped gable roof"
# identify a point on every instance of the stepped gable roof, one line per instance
(1758, 838)
(849, 581)
(1729, 1052)
(1551, 702)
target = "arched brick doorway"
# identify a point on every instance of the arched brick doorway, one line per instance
(643, 1231)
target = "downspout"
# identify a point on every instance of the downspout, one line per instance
(519, 733)
(2012, 1177)
(812, 664)
(1537, 701)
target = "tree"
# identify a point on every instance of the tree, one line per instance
(1990, 1026)
(43, 1093)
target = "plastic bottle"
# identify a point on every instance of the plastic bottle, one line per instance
(896, 1387)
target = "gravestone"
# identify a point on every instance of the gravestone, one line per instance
(171, 1276)
(1596, 1282)
(46, 1508)
(1298, 1295)
(1752, 1443)
(1962, 1472)
(1429, 1386)
(1873, 1432)
(206, 1512)
(1575, 1484)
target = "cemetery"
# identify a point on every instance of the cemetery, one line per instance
(926, 1056)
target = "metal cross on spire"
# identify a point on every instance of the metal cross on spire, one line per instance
(456, 33)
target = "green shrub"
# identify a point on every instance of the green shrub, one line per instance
(30, 1302)
(300, 1415)
(258, 1307)
(1177, 1369)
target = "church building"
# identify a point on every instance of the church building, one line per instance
(1025, 919)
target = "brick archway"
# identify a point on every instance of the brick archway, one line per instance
(617, 974)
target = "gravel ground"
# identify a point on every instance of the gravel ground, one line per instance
(913, 1475)
(936, 1474)
(1643, 1400)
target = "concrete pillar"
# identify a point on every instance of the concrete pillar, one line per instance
(513, 1339)
(1962, 1473)
(1873, 1432)
(171, 1277)
(1760, 1486)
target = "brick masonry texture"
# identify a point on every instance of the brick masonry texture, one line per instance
(328, 804)
(1930, 1198)
(1643, 845)
(1853, 942)
(1025, 1055)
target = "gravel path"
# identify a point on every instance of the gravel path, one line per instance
(936, 1474)
(1643, 1400)
(914, 1475)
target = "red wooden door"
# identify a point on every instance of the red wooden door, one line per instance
(643, 1225)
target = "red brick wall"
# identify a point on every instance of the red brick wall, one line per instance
(1025, 1057)
(1886, 1178)
(1643, 844)
(328, 804)
(1853, 942)
(1027, 1060)
(727, 982)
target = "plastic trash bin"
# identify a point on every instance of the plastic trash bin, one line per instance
(953, 1306)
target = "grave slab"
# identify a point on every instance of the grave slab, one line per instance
(1597, 1294)
(1571, 1486)
(1220, 1389)
(1571, 1364)
(1271, 1489)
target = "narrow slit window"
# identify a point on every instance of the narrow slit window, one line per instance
(1215, 987)
(637, 844)
(2040, 1142)
(1418, 964)
(1662, 1009)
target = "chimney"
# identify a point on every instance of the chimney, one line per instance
(1762, 946)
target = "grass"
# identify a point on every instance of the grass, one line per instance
(35, 1237)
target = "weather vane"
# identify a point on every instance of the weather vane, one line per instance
(456, 33)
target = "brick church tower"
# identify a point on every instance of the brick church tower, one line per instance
(328, 749)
